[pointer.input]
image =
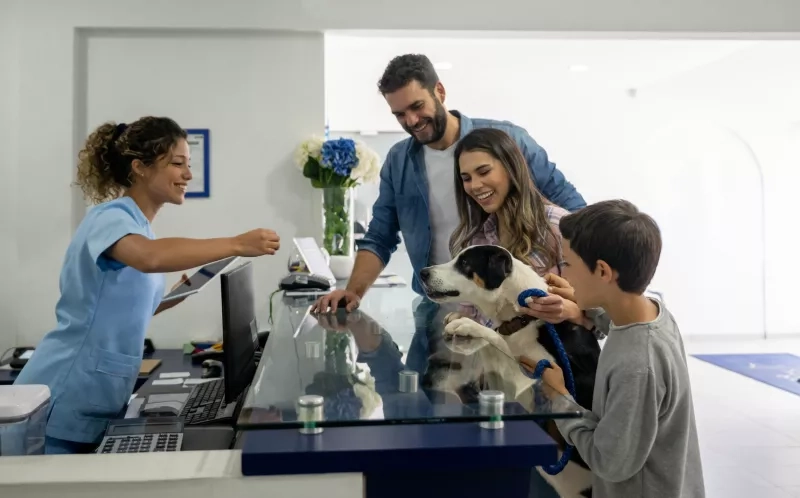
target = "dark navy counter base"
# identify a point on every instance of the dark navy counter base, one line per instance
(409, 460)
(486, 483)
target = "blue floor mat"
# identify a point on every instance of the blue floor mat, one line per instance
(779, 370)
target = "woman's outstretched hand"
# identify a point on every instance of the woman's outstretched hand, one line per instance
(258, 242)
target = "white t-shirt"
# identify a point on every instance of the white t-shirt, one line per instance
(439, 166)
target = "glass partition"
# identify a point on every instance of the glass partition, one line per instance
(385, 363)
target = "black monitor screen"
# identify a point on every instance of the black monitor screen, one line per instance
(239, 329)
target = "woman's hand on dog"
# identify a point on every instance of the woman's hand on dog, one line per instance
(559, 305)
(560, 286)
(551, 308)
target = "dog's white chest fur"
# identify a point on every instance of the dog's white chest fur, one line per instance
(453, 282)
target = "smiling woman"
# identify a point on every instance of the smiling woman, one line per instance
(498, 204)
(112, 280)
(494, 192)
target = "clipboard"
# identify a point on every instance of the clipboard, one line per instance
(148, 366)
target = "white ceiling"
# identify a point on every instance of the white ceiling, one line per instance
(614, 63)
(528, 79)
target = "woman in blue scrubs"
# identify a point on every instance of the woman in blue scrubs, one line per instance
(112, 278)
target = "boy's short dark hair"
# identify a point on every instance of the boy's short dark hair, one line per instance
(619, 234)
(404, 69)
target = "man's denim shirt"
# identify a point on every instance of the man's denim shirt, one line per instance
(402, 204)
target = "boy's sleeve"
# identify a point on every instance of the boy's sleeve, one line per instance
(107, 228)
(616, 446)
(602, 323)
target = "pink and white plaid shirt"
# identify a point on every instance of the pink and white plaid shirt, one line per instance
(488, 235)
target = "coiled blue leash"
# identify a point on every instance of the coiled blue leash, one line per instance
(569, 381)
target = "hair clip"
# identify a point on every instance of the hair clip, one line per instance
(119, 130)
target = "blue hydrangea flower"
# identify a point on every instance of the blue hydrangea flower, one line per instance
(339, 155)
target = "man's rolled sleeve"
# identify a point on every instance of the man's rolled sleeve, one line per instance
(382, 235)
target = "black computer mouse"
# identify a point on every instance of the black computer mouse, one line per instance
(212, 369)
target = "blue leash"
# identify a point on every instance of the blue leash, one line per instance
(541, 365)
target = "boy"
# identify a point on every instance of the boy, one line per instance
(640, 439)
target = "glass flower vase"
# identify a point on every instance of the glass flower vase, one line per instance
(337, 224)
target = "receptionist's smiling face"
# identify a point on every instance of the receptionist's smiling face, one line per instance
(166, 181)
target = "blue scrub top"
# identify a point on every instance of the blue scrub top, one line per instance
(92, 358)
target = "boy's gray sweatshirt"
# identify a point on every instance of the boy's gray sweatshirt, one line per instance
(640, 438)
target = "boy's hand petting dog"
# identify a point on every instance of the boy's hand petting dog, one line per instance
(552, 378)
(553, 382)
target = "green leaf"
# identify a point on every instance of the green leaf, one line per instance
(327, 178)
(311, 169)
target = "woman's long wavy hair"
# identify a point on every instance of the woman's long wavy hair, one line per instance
(523, 225)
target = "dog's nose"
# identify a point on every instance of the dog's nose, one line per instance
(425, 274)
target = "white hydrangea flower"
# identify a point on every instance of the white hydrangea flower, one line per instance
(309, 148)
(368, 167)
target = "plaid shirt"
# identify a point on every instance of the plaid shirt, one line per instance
(488, 235)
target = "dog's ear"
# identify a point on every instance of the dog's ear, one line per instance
(498, 267)
(487, 266)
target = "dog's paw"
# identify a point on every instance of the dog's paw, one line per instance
(466, 327)
(451, 317)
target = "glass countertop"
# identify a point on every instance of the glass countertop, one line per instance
(385, 363)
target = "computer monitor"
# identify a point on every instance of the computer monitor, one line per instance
(239, 329)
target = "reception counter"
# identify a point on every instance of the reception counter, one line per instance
(371, 403)
(178, 475)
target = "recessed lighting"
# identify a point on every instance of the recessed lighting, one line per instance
(443, 66)
(578, 68)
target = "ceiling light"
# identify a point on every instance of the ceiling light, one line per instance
(578, 68)
(443, 66)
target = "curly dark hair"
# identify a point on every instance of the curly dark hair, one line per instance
(404, 69)
(104, 163)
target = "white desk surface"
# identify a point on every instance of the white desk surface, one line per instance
(187, 473)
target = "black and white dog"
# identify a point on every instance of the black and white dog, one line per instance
(490, 278)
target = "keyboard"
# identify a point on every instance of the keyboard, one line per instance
(206, 404)
(144, 443)
(142, 435)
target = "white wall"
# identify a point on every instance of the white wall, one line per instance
(684, 150)
(38, 164)
(259, 94)
(753, 94)
(9, 92)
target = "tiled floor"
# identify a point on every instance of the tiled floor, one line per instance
(749, 432)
